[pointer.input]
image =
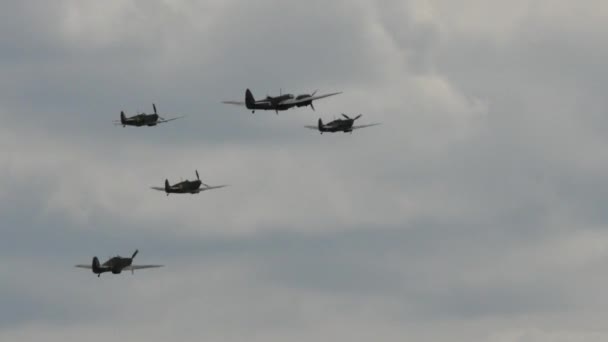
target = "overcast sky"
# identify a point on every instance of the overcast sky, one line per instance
(475, 212)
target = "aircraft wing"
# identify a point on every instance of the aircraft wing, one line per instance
(212, 187)
(167, 120)
(139, 267)
(237, 103)
(306, 99)
(85, 266)
(241, 103)
(363, 126)
(157, 188)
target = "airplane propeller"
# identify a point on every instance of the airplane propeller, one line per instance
(133, 257)
(312, 95)
(348, 118)
(197, 177)
(155, 112)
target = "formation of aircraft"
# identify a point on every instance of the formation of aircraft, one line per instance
(187, 186)
(143, 119)
(116, 265)
(281, 102)
(345, 125)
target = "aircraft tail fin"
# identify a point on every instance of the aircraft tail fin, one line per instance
(95, 265)
(122, 117)
(320, 124)
(167, 186)
(249, 99)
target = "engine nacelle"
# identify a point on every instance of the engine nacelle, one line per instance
(303, 104)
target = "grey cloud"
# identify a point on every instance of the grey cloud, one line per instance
(473, 213)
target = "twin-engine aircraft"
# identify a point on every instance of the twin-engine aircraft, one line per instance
(116, 265)
(340, 125)
(143, 119)
(281, 102)
(187, 186)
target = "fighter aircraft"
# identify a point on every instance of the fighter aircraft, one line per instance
(116, 265)
(187, 187)
(142, 119)
(281, 102)
(340, 125)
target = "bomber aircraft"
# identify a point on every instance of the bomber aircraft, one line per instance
(187, 186)
(142, 119)
(116, 265)
(281, 102)
(340, 125)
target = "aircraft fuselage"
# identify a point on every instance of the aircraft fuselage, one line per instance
(184, 187)
(139, 120)
(114, 265)
(275, 103)
(338, 125)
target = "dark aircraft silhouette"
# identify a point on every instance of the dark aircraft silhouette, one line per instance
(281, 102)
(143, 119)
(116, 265)
(187, 187)
(340, 125)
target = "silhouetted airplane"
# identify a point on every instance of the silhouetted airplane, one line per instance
(143, 119)
(340, 125)
(187, 187)
(281, 102)
(116, 265)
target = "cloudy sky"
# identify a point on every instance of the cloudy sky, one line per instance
(476, 212)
